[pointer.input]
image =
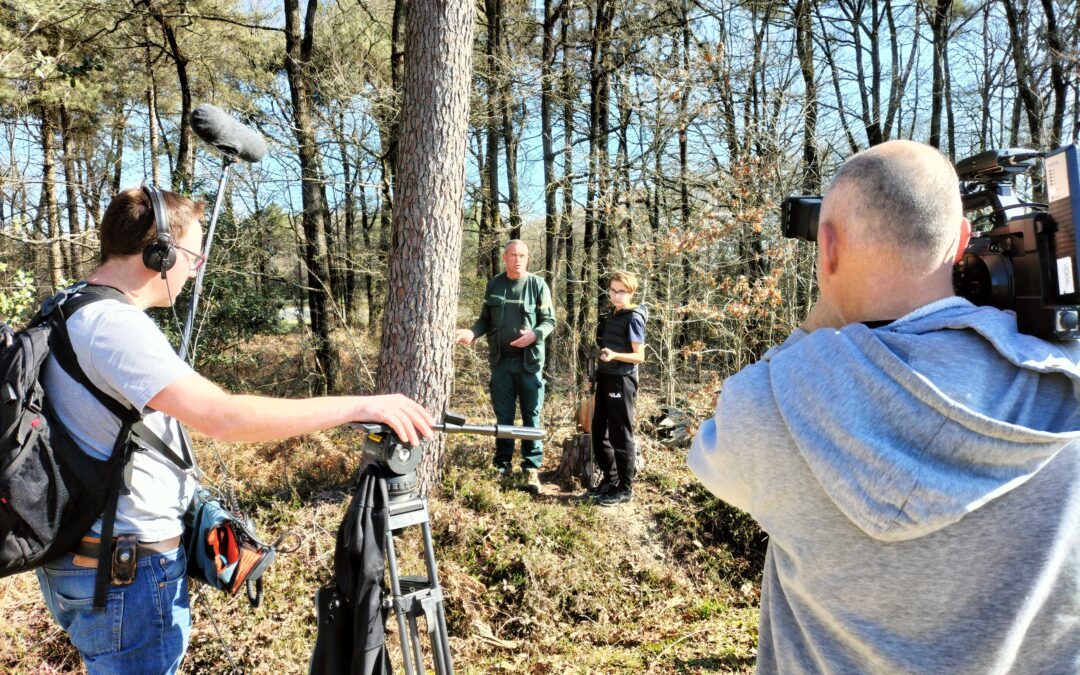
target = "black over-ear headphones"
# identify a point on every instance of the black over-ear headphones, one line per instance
(160, 254)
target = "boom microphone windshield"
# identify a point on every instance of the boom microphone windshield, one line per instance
(226, 134)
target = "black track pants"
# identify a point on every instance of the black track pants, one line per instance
(613, 427)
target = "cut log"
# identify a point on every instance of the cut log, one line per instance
(577, 468)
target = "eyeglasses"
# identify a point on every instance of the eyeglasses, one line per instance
(195, 260)
(615, 292)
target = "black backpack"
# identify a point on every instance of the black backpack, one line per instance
(51, 492)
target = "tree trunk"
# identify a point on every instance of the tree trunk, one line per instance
(1029, 95)
(389, 132)
(551, 216)
(366, 222)
(346, 266)
(599, 202)
(841, 113)
(950, 117)
(48, 195)
(71, 184)
(566, 226)
(577, 469)
(91, 182)
(1058, 81)
(313, 196)
(939, 26)
(494, 99)
(685, 335)
(804, 48)
(986, 134)
(116, 155)
(184, 170)
(422, 290)
(513, 201)
(867, 82)
(151, 107)
(484, 234)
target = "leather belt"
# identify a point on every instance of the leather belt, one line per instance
(88, 548)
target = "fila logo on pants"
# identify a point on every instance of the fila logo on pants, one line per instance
(614, 394)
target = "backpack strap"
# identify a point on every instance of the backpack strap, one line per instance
(121, 457)
(143, 433)
(79, 296)
(58, 309)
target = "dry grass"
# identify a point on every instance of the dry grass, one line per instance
(545, 585)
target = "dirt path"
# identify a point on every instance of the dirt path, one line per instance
(634, 519)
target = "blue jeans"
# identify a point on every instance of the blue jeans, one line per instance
(144, 627)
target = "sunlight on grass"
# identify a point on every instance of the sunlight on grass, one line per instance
(548, 585)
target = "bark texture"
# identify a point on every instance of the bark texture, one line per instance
(425, 250)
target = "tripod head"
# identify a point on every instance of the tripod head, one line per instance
(397, 460)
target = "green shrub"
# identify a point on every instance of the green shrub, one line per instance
(17, 291)
(231, 311)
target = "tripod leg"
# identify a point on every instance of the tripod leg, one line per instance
(404, 637)
(440, 641)
(443, 648)
(414, 639)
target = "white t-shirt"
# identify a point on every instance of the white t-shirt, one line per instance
(127, 357)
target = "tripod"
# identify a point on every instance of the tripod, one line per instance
(390, 466)
(412, 597)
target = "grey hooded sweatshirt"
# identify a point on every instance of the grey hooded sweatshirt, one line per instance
(920, 485)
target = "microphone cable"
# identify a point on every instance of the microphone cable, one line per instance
(172, 308)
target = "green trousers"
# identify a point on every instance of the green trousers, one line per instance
(510, 386)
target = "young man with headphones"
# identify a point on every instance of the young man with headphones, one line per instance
(150, 243)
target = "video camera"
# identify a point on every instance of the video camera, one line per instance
(1022, 256)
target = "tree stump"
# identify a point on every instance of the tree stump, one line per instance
(577, 468)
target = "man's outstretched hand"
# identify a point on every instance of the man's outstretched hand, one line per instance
(465, 336)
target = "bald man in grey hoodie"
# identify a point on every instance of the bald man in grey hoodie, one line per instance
(913, 458)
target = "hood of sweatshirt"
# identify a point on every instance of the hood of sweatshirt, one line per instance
(901, 431)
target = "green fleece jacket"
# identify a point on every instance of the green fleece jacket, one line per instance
(538, 312)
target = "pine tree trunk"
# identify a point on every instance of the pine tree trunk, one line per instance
(425, 256)
(48, 195)
(71, 183)
(494, 99)
(506, 105)
(566, 225)
(151, 107)
(184, 170)
(804, 47)
(347, 274)
(320, 292)
(551, 215)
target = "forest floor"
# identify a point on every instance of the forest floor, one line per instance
(667, 583)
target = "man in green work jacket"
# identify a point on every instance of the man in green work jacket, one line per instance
(516, 319)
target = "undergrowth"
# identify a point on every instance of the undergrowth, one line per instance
(552, 584)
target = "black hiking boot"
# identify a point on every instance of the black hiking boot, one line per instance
(603, 489)
(616, 496)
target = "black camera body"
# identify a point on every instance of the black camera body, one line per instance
(1021, 256)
